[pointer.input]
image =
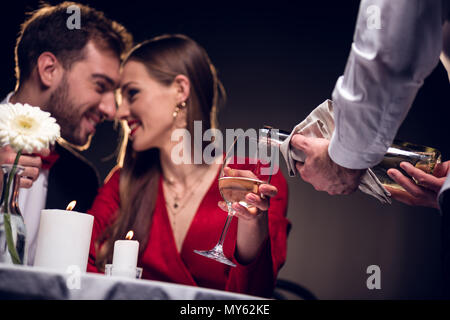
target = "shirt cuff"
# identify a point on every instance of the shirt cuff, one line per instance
(350, 159)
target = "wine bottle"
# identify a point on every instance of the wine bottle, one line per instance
(422, 157)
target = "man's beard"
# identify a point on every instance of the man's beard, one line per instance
(67, 115)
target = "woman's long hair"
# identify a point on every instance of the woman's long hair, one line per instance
(164, 57)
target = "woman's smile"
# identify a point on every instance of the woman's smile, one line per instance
(133, 125)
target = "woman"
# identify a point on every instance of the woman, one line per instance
(167, 84)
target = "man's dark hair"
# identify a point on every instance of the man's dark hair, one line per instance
(47, 30)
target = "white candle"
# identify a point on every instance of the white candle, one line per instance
(125, 254)
(63, 240)
(125, 257)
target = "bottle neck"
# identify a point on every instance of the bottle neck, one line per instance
(274, 136)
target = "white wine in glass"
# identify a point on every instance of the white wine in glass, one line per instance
(234, 189)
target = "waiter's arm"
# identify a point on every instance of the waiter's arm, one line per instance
(386, 67)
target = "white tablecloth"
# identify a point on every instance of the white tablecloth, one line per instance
(25, 282)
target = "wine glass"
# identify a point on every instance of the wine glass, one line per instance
(248, 163)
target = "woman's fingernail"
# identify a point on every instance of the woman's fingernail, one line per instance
(251, 197)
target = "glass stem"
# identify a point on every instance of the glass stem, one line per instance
(225, 227)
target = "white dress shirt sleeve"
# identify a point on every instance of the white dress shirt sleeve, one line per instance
(396, 46)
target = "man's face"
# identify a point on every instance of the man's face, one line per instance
(85, 95)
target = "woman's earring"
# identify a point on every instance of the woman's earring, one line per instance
(178, 108)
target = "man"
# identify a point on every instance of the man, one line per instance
(385, 69)
(71, 73)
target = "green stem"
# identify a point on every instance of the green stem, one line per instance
(8, 230)
(10, 241)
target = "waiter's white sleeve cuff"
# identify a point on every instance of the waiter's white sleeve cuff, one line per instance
(360, 159)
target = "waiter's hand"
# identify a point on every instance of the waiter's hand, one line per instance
(320, 171)
(31, 163)
(425, 192)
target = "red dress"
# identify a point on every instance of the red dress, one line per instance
(161, 260)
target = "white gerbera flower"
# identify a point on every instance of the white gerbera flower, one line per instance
(27, 128)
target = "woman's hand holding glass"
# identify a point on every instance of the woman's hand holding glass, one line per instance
(245, 169)
(251, 210)
(255, 203)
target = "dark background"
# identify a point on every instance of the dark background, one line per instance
(277, 62)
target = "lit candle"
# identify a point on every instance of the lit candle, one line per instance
(125, 256)
(64, 239)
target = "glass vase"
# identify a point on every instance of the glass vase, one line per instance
(12, 226)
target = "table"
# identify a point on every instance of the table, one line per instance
(26, 282)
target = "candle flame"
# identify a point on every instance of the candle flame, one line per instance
(71, 205)
(129, 235)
